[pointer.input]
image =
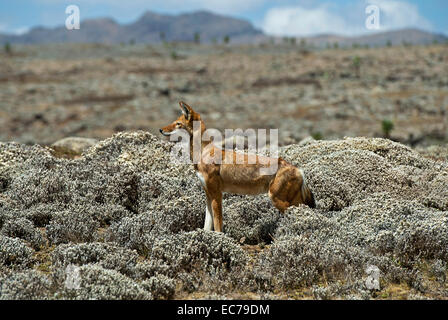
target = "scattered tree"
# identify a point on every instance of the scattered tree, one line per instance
(174, 55)
(317, 135)
(357, 65)
(387, 126)
(8, 48)
(197, 38)
(226, 39)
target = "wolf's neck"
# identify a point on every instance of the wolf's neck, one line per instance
(198, 150)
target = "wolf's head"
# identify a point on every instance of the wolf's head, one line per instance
(184, 122)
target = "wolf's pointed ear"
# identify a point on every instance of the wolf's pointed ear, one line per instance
(186, 110)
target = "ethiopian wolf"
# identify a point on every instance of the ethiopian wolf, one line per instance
(286, 185)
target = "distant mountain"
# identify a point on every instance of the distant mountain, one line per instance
(396, 37)
(150, 28)
(183, 27)
(153, 28)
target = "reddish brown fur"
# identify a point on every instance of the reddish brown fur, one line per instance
(286, 187)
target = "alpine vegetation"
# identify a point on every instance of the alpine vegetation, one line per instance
(123, 222)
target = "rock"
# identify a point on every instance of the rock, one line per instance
(306, 141)
(73, 145)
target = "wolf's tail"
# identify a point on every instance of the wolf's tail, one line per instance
(307, 195)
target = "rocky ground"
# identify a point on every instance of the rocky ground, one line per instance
(123, 221)
(51, 92)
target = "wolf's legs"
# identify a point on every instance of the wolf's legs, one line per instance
(214, 193)
(208, 225)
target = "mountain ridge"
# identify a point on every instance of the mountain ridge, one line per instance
(151, 27)
(204, 26)
(383, 38)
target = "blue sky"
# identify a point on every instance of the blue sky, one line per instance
(279, 17)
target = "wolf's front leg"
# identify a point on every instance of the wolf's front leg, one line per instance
(208, 225)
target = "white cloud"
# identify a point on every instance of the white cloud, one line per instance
(400, 14)
(21, 30)
(329, 18)
(17, 31)
(303, 21)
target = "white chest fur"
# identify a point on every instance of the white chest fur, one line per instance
(201, 178)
